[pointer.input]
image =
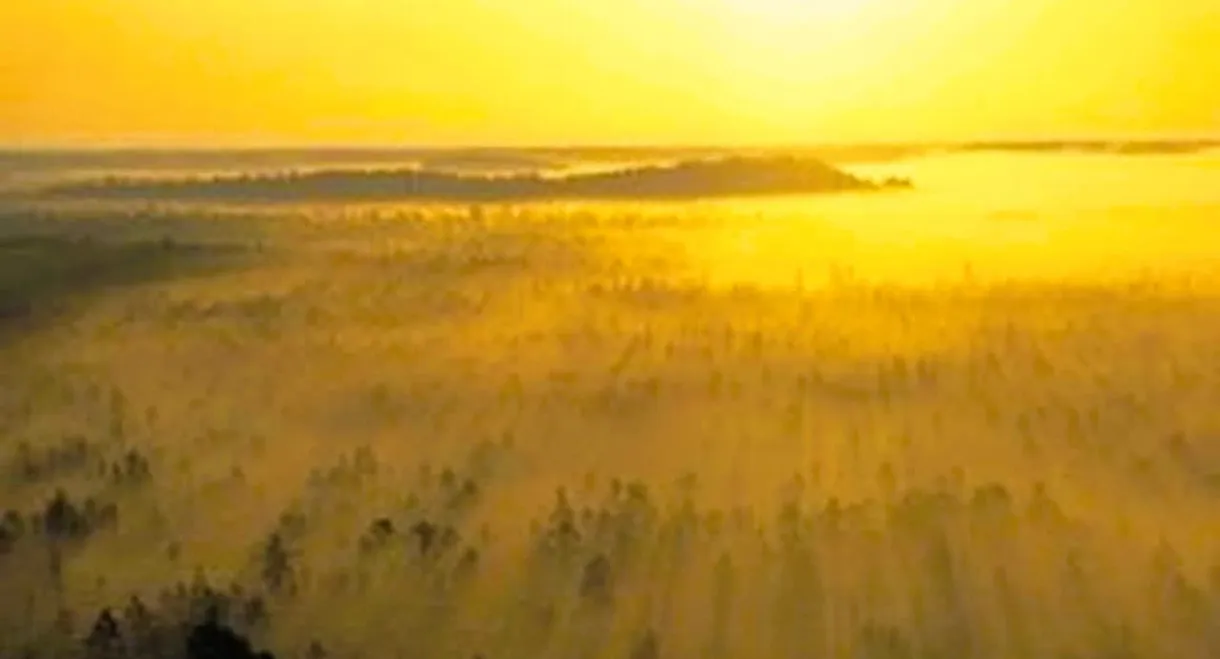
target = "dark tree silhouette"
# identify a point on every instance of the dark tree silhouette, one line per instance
(211, 639)
(597, 581)
(426, 532)
(277, 566)
(61, 519)
(105, 640)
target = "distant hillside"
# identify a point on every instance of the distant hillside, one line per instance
(724, 177)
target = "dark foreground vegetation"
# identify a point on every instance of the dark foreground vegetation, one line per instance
(722, 177)
(591, 558)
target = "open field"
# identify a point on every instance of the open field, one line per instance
(980, 418)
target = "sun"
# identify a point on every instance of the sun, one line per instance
(795, 25)
(768, 40)
(789, 12)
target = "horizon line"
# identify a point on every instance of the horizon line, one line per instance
(202, 147)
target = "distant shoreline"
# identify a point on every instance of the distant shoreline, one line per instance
(686, 180)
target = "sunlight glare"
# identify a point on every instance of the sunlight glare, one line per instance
(786, 12)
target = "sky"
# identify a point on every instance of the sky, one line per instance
(505, 72)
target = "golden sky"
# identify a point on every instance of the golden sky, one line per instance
(248, 72)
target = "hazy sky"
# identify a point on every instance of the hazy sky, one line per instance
(603, 71)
